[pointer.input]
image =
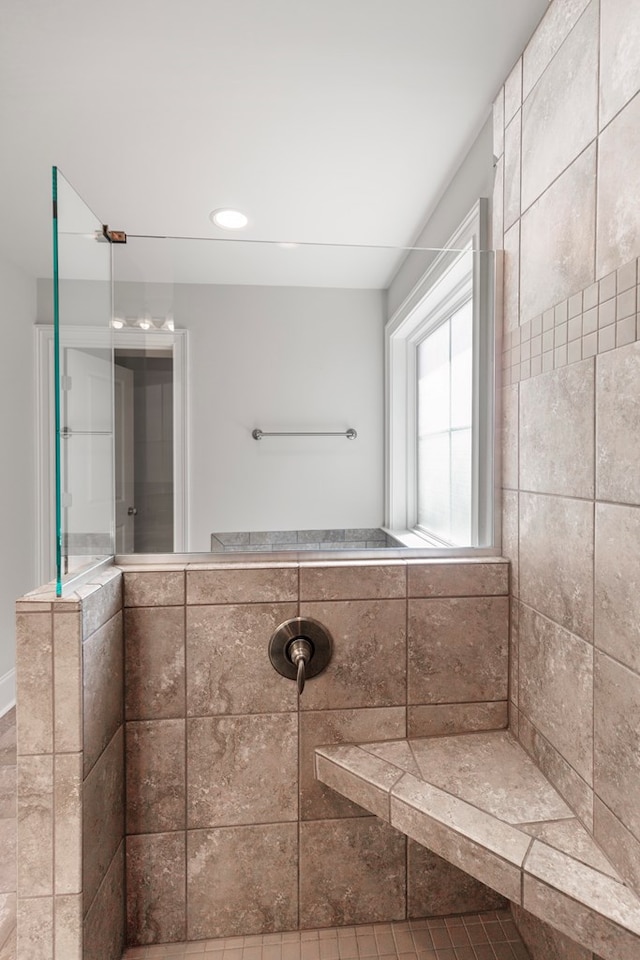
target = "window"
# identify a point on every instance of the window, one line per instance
(440, 400)
(444, 428)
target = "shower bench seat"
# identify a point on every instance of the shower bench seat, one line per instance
(480, 802)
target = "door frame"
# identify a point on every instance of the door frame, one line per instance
(77, 336)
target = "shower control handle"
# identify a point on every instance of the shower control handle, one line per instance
(300, 652)
(300, 649)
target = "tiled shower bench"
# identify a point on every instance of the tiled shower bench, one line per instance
(481, 803)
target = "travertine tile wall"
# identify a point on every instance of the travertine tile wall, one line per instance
(70, 801)
(567, 135)
(227, 830)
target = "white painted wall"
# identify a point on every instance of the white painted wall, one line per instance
(472, 179)
(279, 358)
(17, 474)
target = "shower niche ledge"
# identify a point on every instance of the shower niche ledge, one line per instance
(480, 802)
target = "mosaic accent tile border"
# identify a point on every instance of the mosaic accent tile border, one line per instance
(598, 319)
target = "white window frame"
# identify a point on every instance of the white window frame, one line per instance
(445, 285)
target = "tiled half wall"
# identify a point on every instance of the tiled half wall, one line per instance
(566, 213)
(70, 804)
(227, 831)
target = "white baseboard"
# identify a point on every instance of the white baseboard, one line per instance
(7, 692)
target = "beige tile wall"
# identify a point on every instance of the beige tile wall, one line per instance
(566, 192)
(70, 742)
(228, 831)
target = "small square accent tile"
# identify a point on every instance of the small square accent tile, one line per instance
(590, 321)
(606, 313)
(575, 305)
(547, 361)
(574, 351)
(626, 304)
(607, 287)
(574, 330)
(627, 276)
(548, 319)
(547, 340)
(589, 345)
(590, 297)
(606, 339)
(561, 313)
(560, 335)
(560, 356)
(625, 331)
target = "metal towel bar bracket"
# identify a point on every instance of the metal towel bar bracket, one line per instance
(350, 434)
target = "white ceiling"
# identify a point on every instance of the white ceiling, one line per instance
(334, 121)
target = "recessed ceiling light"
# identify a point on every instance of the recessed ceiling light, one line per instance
(228, 219)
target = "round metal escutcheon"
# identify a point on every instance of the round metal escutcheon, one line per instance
(294, 629)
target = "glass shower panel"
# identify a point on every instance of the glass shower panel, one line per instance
(83, 386)
(286, 338)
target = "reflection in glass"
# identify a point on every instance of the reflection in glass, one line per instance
(285, 337)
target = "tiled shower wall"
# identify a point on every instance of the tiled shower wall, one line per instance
(70, 741)
(228, 831)
(567, 135)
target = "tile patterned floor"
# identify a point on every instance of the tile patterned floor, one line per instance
(8, 836)
(487, 936)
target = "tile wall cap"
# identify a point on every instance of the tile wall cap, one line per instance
(443, 561)
(42, 594)
(104, 576)
(349, 562)
(264, 564)
(239, 565)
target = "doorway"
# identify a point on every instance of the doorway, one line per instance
(144, 458)
(89, 340)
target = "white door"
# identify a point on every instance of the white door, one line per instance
(87, 450)
(124, 459)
